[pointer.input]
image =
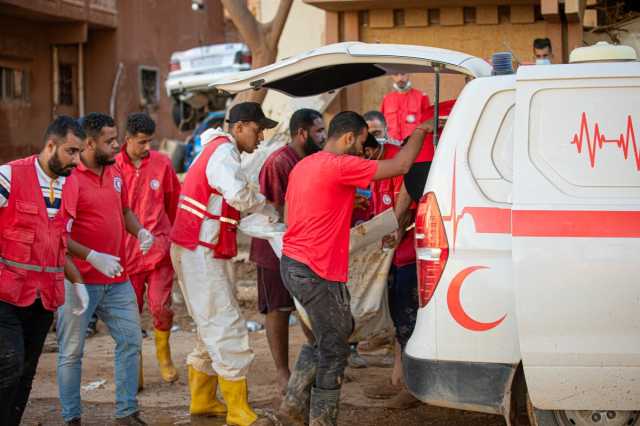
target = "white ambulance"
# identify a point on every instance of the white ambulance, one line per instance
(528, 233)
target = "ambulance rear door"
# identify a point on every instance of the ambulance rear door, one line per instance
(576, 234)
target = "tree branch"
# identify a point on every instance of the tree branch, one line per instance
(247, 25)
(276, 25)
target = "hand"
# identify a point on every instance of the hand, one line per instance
(427, 126)
(105, 263)
(145, 239)
(80, 299)
(361, 202)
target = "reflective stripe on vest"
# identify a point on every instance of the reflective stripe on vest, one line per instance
(200, 210)
(30, 267)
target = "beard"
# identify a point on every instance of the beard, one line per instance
(310, 146)
(55, 165)
(103, 159)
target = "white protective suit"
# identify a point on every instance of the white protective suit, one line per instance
(222, 346)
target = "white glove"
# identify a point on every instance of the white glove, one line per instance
(145, 239)
(80, 299)
(107, 264)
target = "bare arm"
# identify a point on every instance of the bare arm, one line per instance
(71, 272)
(401, 163)
(131, 222)
(78, 250)
(401, 210)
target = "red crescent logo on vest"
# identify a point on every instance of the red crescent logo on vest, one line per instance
(155, 184)
(386, 199)
(455, 305)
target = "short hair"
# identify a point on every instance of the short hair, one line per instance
(375, 115)
(302, 119)
(139, 122)
(62, 126)
(345, 122)
(93, 123)
(371, 142)
(542, 43)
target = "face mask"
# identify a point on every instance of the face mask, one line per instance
(382, 140)
(543, 61)
(406, 87)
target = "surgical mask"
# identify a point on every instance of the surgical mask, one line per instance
(543, 61)
(406, 87)
(382, 140)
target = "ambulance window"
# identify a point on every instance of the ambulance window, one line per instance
(491, 149)
(503, 149)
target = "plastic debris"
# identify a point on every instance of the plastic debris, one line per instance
(94, 385)
(254, 325)
(175, 328)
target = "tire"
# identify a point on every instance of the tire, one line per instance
(580, 418)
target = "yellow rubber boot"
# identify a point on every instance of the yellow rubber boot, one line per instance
(235, 394)
(163, 353)
(203, 394)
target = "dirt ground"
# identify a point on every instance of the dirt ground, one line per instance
(167, 404)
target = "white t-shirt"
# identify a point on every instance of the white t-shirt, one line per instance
(51, 188)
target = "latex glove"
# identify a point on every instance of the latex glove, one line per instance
(107, 264)
(80, 299)
(145, 238)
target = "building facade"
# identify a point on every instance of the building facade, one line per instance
(77, 56)
(476, 27)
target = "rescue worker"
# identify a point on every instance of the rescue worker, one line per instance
(315, 259)
(378, 127)
(214, 193)
(97, 242)
(37, 206)
(153, 199)
(404, 108)
(308, 136)
(542, 52)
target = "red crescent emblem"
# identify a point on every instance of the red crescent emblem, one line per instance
(455, 306)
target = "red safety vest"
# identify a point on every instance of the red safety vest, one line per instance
(32, 246)
(192, 209)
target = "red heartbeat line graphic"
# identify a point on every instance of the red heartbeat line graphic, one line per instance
(487, 220)
(623, 142)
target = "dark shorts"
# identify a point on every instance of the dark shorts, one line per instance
(403, 300)
(272, 294)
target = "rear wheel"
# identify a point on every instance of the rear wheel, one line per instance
(581, 418)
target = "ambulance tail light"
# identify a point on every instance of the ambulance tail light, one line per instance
(174, 65)
(432, 248)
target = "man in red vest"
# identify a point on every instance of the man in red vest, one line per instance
(404, 108)
(214, 193)
(153, 198)
(37, 206)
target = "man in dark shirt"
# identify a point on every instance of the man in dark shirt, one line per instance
(307, 137)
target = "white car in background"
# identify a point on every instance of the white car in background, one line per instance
(190, 73)
(527, 233)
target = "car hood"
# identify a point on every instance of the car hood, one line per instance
(338, 65)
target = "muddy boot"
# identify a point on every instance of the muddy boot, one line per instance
(294, 409)
(324, 407)
(163, 352)
(203, 395)
(239, 412)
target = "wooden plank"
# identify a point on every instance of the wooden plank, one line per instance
(381, 18)
(590, 19)
(450, 16)
(415, 18)
(487, 15)
(550, 10)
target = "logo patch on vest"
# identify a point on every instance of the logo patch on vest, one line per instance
(69, 225)
(386, 199)
(154, 184)
(411, 118)
(117, 183)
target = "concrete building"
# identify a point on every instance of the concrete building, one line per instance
(76, 56)
(477, 27)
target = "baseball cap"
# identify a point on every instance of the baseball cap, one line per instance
(250, 111)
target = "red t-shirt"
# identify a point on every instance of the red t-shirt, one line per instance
(319, 204)
(153, 197)
(99, 222)
(274, 177)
